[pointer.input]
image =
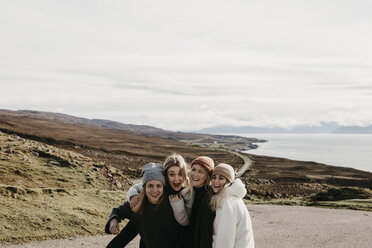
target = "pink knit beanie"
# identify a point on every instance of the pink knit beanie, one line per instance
(204, 161)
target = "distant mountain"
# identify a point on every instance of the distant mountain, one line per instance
(354, 129)
(330, 127)
(130, 128)
(64, 118)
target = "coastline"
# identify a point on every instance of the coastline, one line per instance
(346, 150)
(273, 180)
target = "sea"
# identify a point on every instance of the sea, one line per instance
(347, 150)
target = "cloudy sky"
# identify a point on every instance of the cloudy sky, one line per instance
(186, 65)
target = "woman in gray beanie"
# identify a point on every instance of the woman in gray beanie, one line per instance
(176, 179)
(152, 216)
(232, 227)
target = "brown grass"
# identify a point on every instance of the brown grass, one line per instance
(117, 148)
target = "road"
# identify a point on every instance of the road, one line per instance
(273, 226)
(247, 163)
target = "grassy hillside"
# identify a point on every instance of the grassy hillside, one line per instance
(50, 192)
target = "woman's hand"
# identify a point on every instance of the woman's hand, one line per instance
(174, 198)
(134, 201)
(114, 227)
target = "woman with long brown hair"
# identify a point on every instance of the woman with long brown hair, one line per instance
(152, 216)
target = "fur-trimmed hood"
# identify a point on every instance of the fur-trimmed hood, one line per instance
(233, 225)
(237, 189)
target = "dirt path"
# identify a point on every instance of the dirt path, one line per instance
(247, 163)
(273, 226)
(91, 242)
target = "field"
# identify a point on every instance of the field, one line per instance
(61, 177)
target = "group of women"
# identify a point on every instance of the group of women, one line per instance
(172, 208)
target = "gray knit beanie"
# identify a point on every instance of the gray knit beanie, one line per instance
(153, 171)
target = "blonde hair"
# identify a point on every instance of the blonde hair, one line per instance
(217, 199)
(177, 160)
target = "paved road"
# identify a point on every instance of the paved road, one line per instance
(274, 226)
(309, 227)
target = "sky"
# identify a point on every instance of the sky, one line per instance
(187, 65)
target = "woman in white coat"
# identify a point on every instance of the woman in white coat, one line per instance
(232, 225)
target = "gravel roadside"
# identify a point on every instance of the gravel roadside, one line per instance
(273, 226)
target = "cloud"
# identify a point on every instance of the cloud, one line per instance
(189, 65)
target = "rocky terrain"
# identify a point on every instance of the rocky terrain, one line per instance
(283, 178)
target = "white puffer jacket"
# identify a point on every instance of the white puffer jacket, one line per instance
(233, 226)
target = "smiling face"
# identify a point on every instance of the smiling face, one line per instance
(198, 176)
(154, 190)
(175, 177)
(218, 182)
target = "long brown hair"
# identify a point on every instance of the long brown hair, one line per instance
(143, 200)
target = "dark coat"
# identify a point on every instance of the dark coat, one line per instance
(199, 233)
(126, 235)
(129, 232)
(156, 225)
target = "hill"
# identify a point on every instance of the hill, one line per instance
(48, 192)
(130, 128)
(128, 151)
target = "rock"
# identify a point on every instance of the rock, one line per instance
(52, 162)
(35, 154)
(118, 184)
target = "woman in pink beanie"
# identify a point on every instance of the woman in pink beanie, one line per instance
(194, 204)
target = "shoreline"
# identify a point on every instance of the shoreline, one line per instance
(275, 180)
(345, 150)
(301, 160)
